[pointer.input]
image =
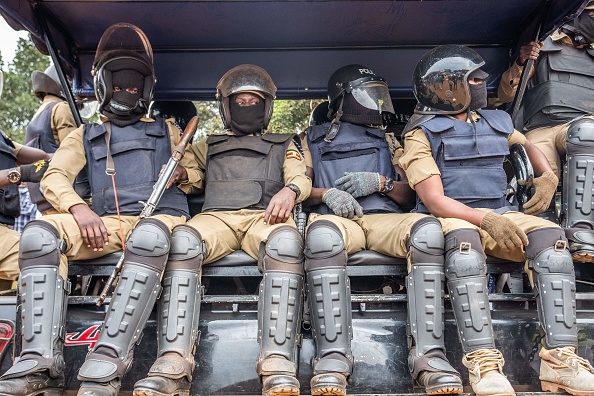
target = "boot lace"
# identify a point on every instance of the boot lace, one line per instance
(487, 360)
(571, 358)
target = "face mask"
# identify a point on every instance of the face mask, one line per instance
(124, 103)
(355, 113)
(478, 96)
(246, 120)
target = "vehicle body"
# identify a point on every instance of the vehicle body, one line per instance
(300, 43)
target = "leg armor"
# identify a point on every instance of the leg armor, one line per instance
(43, 293)
(427, 362)
(177, 317)
(554, 286)
(279, 311)
(131, 304)
(578, 175)
(466, 271)
(330, 298)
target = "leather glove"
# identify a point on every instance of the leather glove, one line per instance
(33, 172)
(505, 232)
(545, 187)
(342, 203)
(359, 184)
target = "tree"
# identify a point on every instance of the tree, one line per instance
(18, 104)
(292, 116)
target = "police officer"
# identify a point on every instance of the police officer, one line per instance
(132, 149)
(49, 126)
(449, 143)
(319, 115)
(357, 197)
(252, 181)
(558, 118)
(12, 154)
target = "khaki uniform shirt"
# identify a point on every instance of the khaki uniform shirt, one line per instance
(70, 159)
(293, 169)
(417, 159)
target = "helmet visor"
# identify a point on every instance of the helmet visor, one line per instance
(246, 78)
(124, 41)
(373, 95)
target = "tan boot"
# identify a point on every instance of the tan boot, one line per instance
(485, 372)
(562, 370)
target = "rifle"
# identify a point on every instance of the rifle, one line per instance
(158, 189)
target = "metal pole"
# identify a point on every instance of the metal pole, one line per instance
(49, 42)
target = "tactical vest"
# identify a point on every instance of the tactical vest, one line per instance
(354, 149)
(139, 151)
(244, 172)
(39, 135)
(471, 163)
(10, 206)
(562, 87)
(39, 131)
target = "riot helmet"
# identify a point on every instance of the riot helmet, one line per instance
(319, 115)
(245, 78)
(367, 88)
(124, 50)
(46, 82)
(182, 111)
(440, 79)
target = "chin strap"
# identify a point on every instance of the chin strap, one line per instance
(335, 124)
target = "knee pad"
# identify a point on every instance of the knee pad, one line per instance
(40, 245)
(324, 246)
(283, 250)
(578, 188)
(426, 243)
(149, 244)
(547, 252)
(187, 249)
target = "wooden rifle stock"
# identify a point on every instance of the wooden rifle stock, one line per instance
(158, 190)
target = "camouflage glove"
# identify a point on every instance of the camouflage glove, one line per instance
(359, 184)
(342, 203)
(505, 232)
(545, 187)
(33, 172)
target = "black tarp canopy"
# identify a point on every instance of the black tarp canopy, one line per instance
(299, 42)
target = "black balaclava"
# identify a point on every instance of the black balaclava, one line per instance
(584, 24)
(246, 120)
(478, 92)
(124, 108)
(354, 113)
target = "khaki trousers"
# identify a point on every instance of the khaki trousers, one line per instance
(225, 232)
(9, 253)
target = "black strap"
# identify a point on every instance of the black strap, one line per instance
(109, 165)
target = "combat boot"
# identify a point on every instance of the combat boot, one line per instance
(485, 373)
(562, 370)
(328, 384)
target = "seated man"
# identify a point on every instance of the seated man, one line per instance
(252, 181)
(357, 199)
(453, 158)
(558, 118)
(132, 149)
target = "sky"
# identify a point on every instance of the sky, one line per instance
(8, 41)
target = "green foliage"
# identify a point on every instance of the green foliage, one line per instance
(210, 120)
(292, 116)
(18, 104)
